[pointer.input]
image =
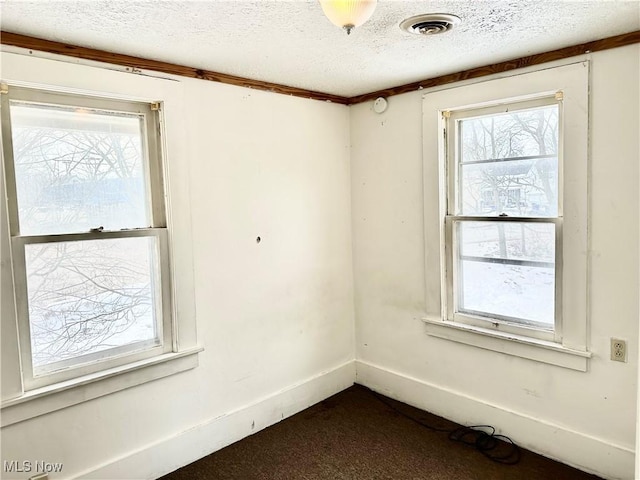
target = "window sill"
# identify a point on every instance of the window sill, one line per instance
(509, 344)
(65, 394)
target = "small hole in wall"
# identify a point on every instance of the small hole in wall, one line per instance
(258, 239)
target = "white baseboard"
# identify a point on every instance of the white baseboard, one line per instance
(588, 453)
(185, 447)
(582, 451)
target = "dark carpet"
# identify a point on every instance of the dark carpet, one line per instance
(357, 434)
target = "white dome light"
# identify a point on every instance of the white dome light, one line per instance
(348, 14)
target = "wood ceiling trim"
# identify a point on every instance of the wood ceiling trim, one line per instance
(537, 59)
(33, 43)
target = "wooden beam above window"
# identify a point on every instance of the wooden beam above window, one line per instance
(138, 63)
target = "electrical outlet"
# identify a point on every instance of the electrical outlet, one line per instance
(618, 350)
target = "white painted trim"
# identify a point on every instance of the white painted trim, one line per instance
(509, 343)
(573, 81)
(71, 392)
(580, 450)
(18, 404)
(169, 454)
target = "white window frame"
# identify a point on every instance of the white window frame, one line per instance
(20, 400)
(66, 370)
(567, 346)
(450, 120)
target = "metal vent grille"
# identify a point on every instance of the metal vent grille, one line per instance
(430, 24)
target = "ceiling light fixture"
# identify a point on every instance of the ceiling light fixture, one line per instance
(348, 14)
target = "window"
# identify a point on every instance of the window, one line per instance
(506, 212)
(503, 222)
(88, 233)
(92, 233)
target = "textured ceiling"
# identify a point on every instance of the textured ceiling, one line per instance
(292, 43)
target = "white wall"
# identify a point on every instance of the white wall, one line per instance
(585, 419)
(275, 318)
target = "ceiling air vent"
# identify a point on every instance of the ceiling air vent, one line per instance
(430, 24)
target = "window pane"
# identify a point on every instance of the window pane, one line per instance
(78, 169)
(507, 269)
(523, 294)
(92, 296)
(526, 188)
(508, 163)
(520, 133)
(508, 240)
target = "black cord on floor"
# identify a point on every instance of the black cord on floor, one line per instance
(496, 447)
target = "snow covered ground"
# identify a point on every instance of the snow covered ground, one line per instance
(509, 290)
